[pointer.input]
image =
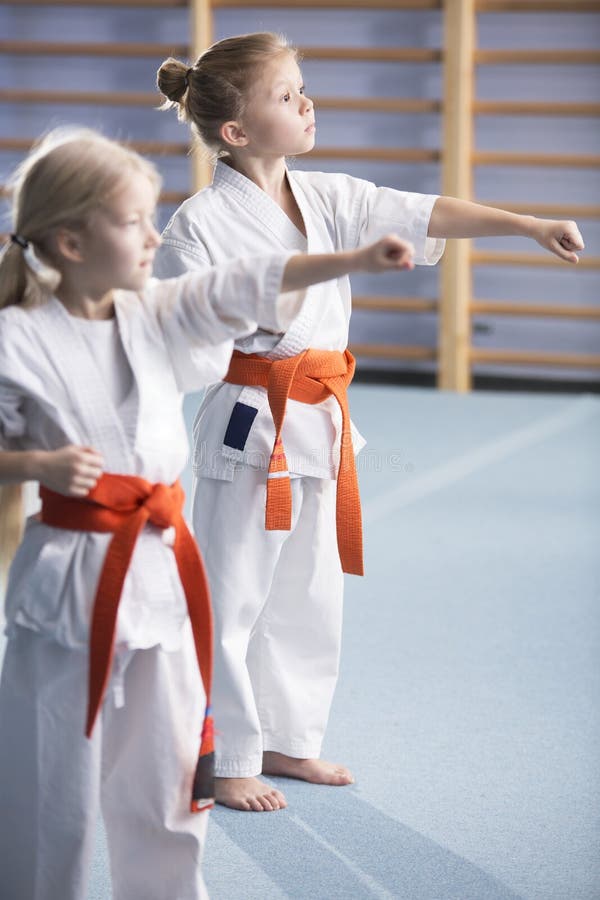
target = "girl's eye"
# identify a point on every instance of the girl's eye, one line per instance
(286, 98)
(302, 89)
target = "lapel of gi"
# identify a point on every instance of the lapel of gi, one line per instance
(83, 382)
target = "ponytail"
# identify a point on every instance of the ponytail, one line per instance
(24, 278)
(11, 527)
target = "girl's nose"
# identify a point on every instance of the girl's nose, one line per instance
(154, 238)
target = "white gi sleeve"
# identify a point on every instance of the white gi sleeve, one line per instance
(363, 213)
(175, 258)
(202, 313)
(385, 210)
(194, 366)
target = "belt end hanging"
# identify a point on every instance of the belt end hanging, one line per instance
(203, 793)
(278, 514)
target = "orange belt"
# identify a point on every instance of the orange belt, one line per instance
(310, 377)
(123, 504)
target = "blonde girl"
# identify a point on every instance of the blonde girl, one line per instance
(278, 603)
(106, 678)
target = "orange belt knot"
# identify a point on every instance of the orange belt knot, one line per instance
(310, 377)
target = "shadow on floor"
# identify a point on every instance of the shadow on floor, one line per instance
(324, 847)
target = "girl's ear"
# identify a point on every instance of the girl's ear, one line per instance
(233, 134)
(68, 244)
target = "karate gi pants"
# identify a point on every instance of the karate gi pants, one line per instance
(138, 767)
(277, 601)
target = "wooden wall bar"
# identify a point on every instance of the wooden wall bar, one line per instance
(457, 306)
(457, 176)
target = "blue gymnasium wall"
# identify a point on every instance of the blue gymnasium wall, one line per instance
(364, 28)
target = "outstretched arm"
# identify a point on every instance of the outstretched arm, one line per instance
(454, 218)
(226, 302)
(385, 255)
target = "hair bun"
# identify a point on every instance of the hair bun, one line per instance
(172, 79)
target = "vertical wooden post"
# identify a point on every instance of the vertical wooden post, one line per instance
(201, 37)
(456, 282)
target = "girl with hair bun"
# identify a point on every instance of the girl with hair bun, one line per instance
(105, 686)
(277, 590)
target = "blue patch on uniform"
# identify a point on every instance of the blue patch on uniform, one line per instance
(240, 423)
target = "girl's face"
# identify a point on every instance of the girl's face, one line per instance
(120, 240)
(279, 119)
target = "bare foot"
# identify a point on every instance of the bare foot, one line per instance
(248, 794)
(316, 771)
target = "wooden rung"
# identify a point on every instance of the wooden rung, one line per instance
(91, 98)
(167, 197)
(482, 258)
(159, 148)
(17, 144)
(138, 49)
(150, 148)
(537, 57)
(378, 104)
(534, 358)
(76, 48)
(560, 160)
(170, 197)
(544, 6)
(393, 351)
(154, 3)
(395, 304)
(164, 148)
(146, 98)
(547, 210)
(381, 154)
(173, 197)
(333, 4)
(526, 108)
(543, 310)
(373, 54)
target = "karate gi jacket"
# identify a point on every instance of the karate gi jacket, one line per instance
(51, 395)
(234, 216)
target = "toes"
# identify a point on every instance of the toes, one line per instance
(343, 776)
(248, 795)
(280, 799)
(273, 800)
(268, 803)
(336, 775)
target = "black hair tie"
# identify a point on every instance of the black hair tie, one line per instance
(187, 75)
(21, 241)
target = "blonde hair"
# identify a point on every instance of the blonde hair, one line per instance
(67, 175)
(214, 90)
(11, 527)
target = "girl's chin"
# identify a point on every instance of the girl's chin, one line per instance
(306, 148)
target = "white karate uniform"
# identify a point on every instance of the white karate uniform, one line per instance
(140, 762)
(277, 596)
